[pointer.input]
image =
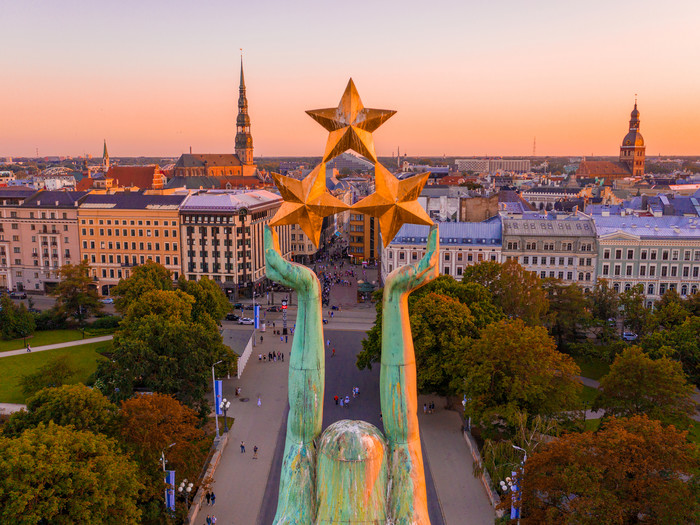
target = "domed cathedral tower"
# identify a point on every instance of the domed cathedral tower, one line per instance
(632, 149)
(244, 140)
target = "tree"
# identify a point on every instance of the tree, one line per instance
(160, 348)
(567, 310)
(56, 372)
(144, 278)
(75, 292)
(518, 292)
(682, 342)
(513, 367)
(637, 384)
(209, 299)
(77, 405)
(604, 301)
(55, 474)
(670, 312)
(634, 311)
(15, 320)
(632, 471)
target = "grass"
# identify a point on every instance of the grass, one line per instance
(51, 337)
(592, 368)
(82, 357)
(587, 395)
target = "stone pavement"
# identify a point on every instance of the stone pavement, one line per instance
(77, 342)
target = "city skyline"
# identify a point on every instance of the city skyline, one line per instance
(466, 80)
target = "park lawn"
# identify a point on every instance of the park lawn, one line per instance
(41, 338)
(592, 368)
(587, 395)
(83, 358)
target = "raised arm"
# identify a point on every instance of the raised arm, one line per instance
(399, 397)
(297, 498)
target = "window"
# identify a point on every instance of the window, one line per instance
(617, 270)
(674, 271)
(618, 254)
(664, 271)
(643, 255)
(606, 254)
(664, 255)
(674, 255)
(606, 269)
(652, 255)
(642, 271)
(652, 271)
(628, 270)
(650, 289)
(630, 254)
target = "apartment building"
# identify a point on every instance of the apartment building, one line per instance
(364, 242)
(123, 230)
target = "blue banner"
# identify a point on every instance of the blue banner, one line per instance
(257, 316)
(170, 490)
(515, 498)
(218, 387)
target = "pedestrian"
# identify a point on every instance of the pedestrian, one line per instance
(336, 399)
(261, 339)
(29, 347)
(255, 452)
(328, 343)
(281, 339)
(273, 324)
(259, 357)
(342, 403)
(208, 496)
(282, 356)
(347, 401)
(259, 401)
(242, 447)
(425, 408)
(213, 499)
(208, 519)
(213, 520)
(269, 356)
(285, 339)
(333, 353)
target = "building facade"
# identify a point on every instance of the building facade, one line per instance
(222, 234)
(559, 246)
(462, 244)
(364, 241)
(493, 165)
(660, 253)
(126, 229)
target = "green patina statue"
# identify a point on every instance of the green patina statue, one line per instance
(352, 473)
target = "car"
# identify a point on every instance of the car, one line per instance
(246, 320)
(274, 309)
(232, 317)
(249, 307)
(612, 322)
(238, 306)
(33, 310)
(107, 300)
(629, 336)
(18, 295)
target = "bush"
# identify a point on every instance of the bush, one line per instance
(50, 320)
(605, 352)
(106, 322)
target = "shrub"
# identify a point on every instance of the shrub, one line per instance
(106, 322)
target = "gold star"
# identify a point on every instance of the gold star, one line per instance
(306, 202)
(394, 202)
(350, 124)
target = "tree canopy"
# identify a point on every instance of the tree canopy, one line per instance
(144, 278)
(15, 320)
(59, 475)
(209, 299)
(631, 471)
(76, 296)
(56, 372)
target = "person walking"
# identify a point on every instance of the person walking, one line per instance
(213, 520)
(208, 496)
(29, 347)
(285, 339)
(333, 353)
(328, 343)
(342, 403)
(336, 399)
(347, 401)
(425, 408)
(255, 452)
(208, 520)
(213, 499)
(282, 356)
(242, 447)
(259, 402)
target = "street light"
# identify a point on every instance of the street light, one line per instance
(162, 454)
(185, 488)
(225, 405)
(213, 388)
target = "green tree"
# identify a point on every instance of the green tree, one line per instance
(76, 296)
(144, 278)
(512, 368)
(605, 301)
(637, 384)
(15, 320)
(635, 312)
(681, 342)
(631, 471)
(669, 312)
(55, 474)
(518, 292)
(160, 348)
(77, 405)
(567, 310)
(56, 372)
(209, 299)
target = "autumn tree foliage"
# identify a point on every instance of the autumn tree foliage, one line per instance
(631, 471)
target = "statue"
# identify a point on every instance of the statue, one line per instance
(352, 472)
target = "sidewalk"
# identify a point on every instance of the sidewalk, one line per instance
(44, 348)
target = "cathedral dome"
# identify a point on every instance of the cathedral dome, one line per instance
(633, 138)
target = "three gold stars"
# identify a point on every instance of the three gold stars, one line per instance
(306, 202)
(394, 202)
(350, 125)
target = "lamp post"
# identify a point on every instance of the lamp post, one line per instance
(185, 489)
(225, 405)
(213, 388)
(162, 454)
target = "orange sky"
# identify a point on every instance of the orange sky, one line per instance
(466, 78)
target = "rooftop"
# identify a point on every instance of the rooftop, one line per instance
(130, 200)
(54, 199)
(451, 233)
(669, 226)
(228, 200)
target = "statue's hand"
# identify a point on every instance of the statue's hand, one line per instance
(293, 275)
(412, 276)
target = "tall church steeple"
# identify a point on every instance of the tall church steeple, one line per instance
(105, 158)
(244, 140)
(632, 150)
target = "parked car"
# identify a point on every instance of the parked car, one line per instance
(274, 309)
(232, 317)
(238, 305)
(629, 336)
(33, 310)
(18, 295)
(107, 300)
(246, 320)
(249, 307)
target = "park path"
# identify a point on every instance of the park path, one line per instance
(77, 342)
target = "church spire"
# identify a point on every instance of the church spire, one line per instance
(105, 158)
(244, 140)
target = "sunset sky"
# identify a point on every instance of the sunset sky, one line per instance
(466, 77)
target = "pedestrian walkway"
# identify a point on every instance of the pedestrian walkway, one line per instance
(44, 348)
(11, 408)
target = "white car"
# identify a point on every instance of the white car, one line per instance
(246, 320)
(629, 336)
(107, 300)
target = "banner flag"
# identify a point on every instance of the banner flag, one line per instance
(257, 316)
(170, 491)
(218, 388)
